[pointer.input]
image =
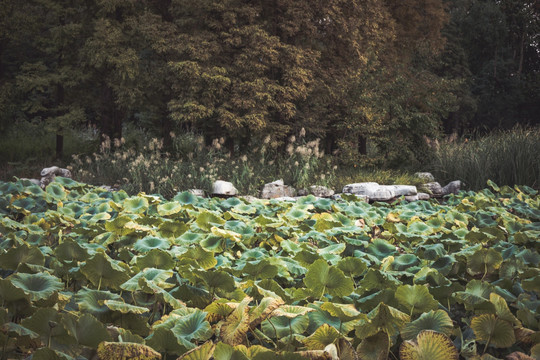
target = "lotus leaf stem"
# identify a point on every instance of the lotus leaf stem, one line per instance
(99, 284)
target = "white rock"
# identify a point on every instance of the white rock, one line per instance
(365, 188)
(403, 190)
(48, 175)
(382, 194)
(358, 197)
(423, 196)
(412, 198)
(277, 189)
(221, 187)
(321, 191)
(426, 176)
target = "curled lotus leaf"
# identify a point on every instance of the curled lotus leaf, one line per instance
(205, 259)
(217, 279)
(265, 309)
(352, 266)
(493, 330)
(101, 270)
(87, 330)
(70, 250)
(280, 326)
(203, 352)
(93, 301)
(38, 286)
(438, 321)
(291, 311)
(404, 262)
(149, 243)
(236, 326)
(23, 254)
(125, 350)
(190, 238)
(156, 276)
(190, 327)
(381, 249)
(206, 219)
(135, 205)
(382, 318)
(124, 308)
(261, 270)
(428, 345)
(345, 312)
(185, 198)
(227, 234)
(296, 214)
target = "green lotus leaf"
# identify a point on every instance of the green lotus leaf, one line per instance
(203, 352)
(46, 353)
(416, 298)
(189, 238)
(532, 284)
(431, 277)
(438, 321)
(428, 345)
(49, 324)
(244, 209)
(205, 259)
(418, 227)
(324, 279)
(101, 270)
(156, 258)
(376, 279)
(163, 340)
(23, 254)
(404, 262)
(493, 331)
(70, 250)
(169, 208)
(24, 205)
(291, 311)
(381, 248)
(217, 280)
(16, 330)
(374, 347)
(192, 327)
(156, 276)
(228, 352)
(444, 264)
(236, 326)
(149, 243)
(56, 191)
(476, 293)
(322, 337)
(535, 351)
(206, 219)
(382, 318)
(501, 309)
(352, 266)
(484, 261)
(135, 205)
(296, 214)
(92, 301)
(34, 190)
(38, 286)
(281, 327)
(125, 350)
(263, 310)
(213, 243)
(529, 257)
(261, 270)
(185, 198)
(87, 330)
(344, 312)
(172, 229)
(124, 308)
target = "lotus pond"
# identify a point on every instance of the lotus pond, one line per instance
(87, 273)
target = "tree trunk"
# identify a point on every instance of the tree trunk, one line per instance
(362, 145)
(59, 146)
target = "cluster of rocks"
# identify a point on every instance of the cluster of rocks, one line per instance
(48, 175)
(368, 191)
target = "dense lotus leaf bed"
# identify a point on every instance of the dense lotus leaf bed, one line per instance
(84, 271)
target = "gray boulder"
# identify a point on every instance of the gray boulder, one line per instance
(426, 176)
(48, 175)
(321, 191)
(402, 190)
(433, 188)
(197, 192)
(223, 188)
(452, 187)
(372, 190)
(277, 189)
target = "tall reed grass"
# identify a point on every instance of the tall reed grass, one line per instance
(505, 157)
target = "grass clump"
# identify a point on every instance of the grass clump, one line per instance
(505, 157)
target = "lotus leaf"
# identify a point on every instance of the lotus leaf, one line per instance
(322, 337)
(438, 321)
(169, 208)
(11, 259)
(227, 352)
(427, 346)
(352, 266)
(156, 258)
(484, 261)
(382, 318)
(235, 327)
(322, 279)
(149, 243)
(405, 261)
(49, 324)
(56, 191)
(344, 312)
(100, 270)
(213, 243)
(87, 330)
(156, 276)
(70, 250)
(135, 205)
(163, 340)
(125, 350)
(124, 308)
(217, 279)
(381, 248)
(280, 327)
(13, 329)
(172, 229)
(375, 347)
(190, 238)
(261, 270)
(203, 352)
(416, 298)
(492, 330)
(206, 219)
(38, 286)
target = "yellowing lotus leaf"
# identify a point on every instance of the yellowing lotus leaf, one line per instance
(429, 345)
